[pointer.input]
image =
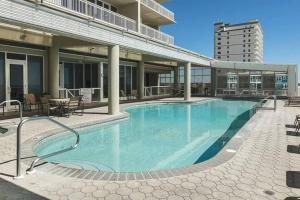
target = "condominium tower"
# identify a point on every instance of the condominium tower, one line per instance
(239, 42)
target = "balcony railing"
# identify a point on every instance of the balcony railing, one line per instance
(96, 12)
(158, 91)
(159, 8)
(155, 34)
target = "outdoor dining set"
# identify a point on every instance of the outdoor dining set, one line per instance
(50, 106)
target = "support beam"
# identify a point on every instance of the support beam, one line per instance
(141, 79)
(53, 80)
(176, 80)
(113, 79)
(292, 81)
(187, 81)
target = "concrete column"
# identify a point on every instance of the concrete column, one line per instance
(292, 81)
(176, 79)
(141, 79)
(139, 17)
(113, 79)
(53, 71)
(213, 82)
(187, 81)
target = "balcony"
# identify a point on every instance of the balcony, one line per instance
(86, 9)
(157, 35)
(161, 15)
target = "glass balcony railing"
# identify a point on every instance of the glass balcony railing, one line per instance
(92, 10)
(155, 34)
(159, 8)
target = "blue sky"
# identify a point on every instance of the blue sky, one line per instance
(280, 20)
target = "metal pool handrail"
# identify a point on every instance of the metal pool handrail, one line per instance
(15, 101)
(45, 156)
(268, 97)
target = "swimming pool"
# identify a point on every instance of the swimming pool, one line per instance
(154, 137)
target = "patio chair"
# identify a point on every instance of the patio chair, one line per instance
(47, 107)
(31, 103)
(134, 94)
(123, 95)
(178, 92)
(75, 103)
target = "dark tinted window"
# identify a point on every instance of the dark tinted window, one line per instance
(16, 56)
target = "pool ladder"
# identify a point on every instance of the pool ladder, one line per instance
(33, 164)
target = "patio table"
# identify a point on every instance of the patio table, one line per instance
(60, 103)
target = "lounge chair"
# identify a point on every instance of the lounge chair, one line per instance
(295, 126)
(293, 100)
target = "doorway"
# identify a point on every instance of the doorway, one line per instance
(16, 76)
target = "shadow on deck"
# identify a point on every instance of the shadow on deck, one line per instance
(9, 190)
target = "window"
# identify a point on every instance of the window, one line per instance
(99, 3)
(35, 75)
(16, 56)
(106, 6)
(244, 40)
(249, 35)
(228, 38)
(219, 47)
(219, 52)
(227, 47)
(227, 56)
(219, 43)
(227, 51)
(244, 50)
(228, 33)
(244, 31)
(244, 55)
(219, 38)
(68, 76)
(244, 60)
(248, 60)
(219, 34)
(249, 30)
(249, 45)
(249, 40)
(249, 50)
(244, 45)
(114, 9)
(244, 35)
(78, 75)
(219, 57)
(227, 42)
(249, 55)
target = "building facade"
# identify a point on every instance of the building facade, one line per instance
(104, 50)
(238, 42)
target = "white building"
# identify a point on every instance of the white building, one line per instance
(239, 42)
(109, 50)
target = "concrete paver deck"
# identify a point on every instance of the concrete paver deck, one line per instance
(256, 171)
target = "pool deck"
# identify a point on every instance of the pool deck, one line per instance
(257, 169)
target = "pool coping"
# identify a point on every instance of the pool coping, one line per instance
(224, 155)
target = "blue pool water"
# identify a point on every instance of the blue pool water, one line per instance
(154, 137)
